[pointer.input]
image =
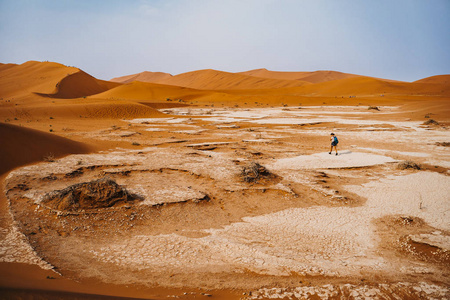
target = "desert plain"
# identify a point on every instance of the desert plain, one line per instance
(220, 185)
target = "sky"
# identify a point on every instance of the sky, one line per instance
(401, 39)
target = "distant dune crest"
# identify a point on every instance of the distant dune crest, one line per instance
(145, 76)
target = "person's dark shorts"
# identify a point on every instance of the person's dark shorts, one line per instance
(333, 143)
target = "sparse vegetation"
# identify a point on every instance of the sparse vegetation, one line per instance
(431, 122)
(374, 108)
(99, 193)
(408, 164)
(136, 144)
(50, 157)
(443, 144)
(254, 172)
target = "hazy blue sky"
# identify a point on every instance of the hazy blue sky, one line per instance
(395, 39)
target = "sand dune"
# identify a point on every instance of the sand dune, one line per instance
(6, 66)
(218, 80)
(32, 76)
(147, 91)
(311, 77)
(79, 84)
(143, 76)
(23, 146)
(324, 76)
(367, 86)
(317, 84)
(439, 79)
(48, 79)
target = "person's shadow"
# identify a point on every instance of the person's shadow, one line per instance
(344, 152)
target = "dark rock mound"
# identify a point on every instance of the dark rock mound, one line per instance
(99, 193)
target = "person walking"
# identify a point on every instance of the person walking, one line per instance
(334, 142)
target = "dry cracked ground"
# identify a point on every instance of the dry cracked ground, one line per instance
(247, 199)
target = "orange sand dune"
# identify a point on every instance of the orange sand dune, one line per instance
(6, 66)
(218, 80)
(324, 76)
(439, 79)
(80, 108)
(143, 76)
(149, 91)
(153, 93)
(312, 77)
(32, 76)
(23, 146)
(79, 84)
(48, 79)
(367, 86)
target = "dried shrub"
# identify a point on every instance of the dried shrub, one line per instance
(407, 164)
(374, 108)
(430, 122)
(50, 157)
(254, 172)
(443, 144)
(99, 193)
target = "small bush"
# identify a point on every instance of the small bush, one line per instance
(430, 122)
(254, 172)
(135, 144)
(50, 157)
(407, 164)
(374, 108)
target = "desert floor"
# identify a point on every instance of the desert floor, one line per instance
(215, 184)
(238, 203)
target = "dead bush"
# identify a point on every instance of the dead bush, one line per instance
(374, 108)
(49, 157)
(408, 164)
(99, 193)
(255, 172)
(430, 122)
